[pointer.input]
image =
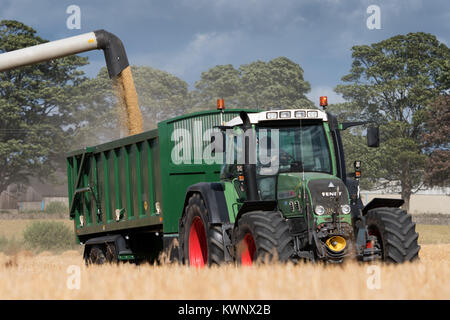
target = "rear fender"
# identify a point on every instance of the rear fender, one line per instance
(213, 195)
(382, 202)
(256, 205)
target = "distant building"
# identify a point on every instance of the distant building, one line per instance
(424, 201)
(35, 195)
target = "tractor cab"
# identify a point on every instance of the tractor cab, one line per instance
(286, 143)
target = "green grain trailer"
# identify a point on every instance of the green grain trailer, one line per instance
(126, 196)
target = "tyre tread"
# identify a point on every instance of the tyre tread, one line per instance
(398, 230)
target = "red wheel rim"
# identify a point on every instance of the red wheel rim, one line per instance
(198, 252)
(373, 232)
(249, 249)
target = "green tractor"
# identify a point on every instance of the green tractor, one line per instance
(284, 195)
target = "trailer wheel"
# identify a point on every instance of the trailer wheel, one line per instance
(203, 244)
(111, 253)
(395, 232)
(96, 256)
(262, 236)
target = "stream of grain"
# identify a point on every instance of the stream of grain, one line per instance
(124, 88)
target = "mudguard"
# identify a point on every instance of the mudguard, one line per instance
(255, 205)
(213, 195)
(382, 202)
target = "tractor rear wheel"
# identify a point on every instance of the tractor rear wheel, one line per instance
(395, 232)
(262, 236)
(203, 243)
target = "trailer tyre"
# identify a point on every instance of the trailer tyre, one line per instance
(262, 236)
(202, 244)
(96, 256)
(111, 253)
(395, 232)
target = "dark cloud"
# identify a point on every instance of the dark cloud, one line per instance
(186, 37)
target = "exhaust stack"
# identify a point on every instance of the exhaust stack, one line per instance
(115, 57)
(249, 166)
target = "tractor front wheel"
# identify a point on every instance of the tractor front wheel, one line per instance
(262, 236)
(395, 232)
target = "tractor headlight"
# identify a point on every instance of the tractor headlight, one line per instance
(319, 210)
(345, 209)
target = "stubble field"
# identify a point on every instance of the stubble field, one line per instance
(27, 275)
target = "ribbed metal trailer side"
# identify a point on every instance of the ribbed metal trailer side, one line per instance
(116, 185)
(176, 178)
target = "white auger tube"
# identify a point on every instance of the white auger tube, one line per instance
(115, 56)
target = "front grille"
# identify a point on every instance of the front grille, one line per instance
(323, 194)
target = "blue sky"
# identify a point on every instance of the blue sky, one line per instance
(186, 37)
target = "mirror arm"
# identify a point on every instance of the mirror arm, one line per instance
(346, 125)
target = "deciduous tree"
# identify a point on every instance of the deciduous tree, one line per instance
(259, 85)
(391, 82)
(437, 142)
(35, 109)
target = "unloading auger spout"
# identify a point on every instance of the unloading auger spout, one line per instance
(112, 46)
(115, 57)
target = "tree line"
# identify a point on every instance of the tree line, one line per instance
(402, 83)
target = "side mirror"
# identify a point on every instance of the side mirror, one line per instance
(373, 137)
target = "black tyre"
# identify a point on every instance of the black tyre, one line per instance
(395, 232)
(262, 236)
(202, 244)
(111, 253)
(96, 255)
